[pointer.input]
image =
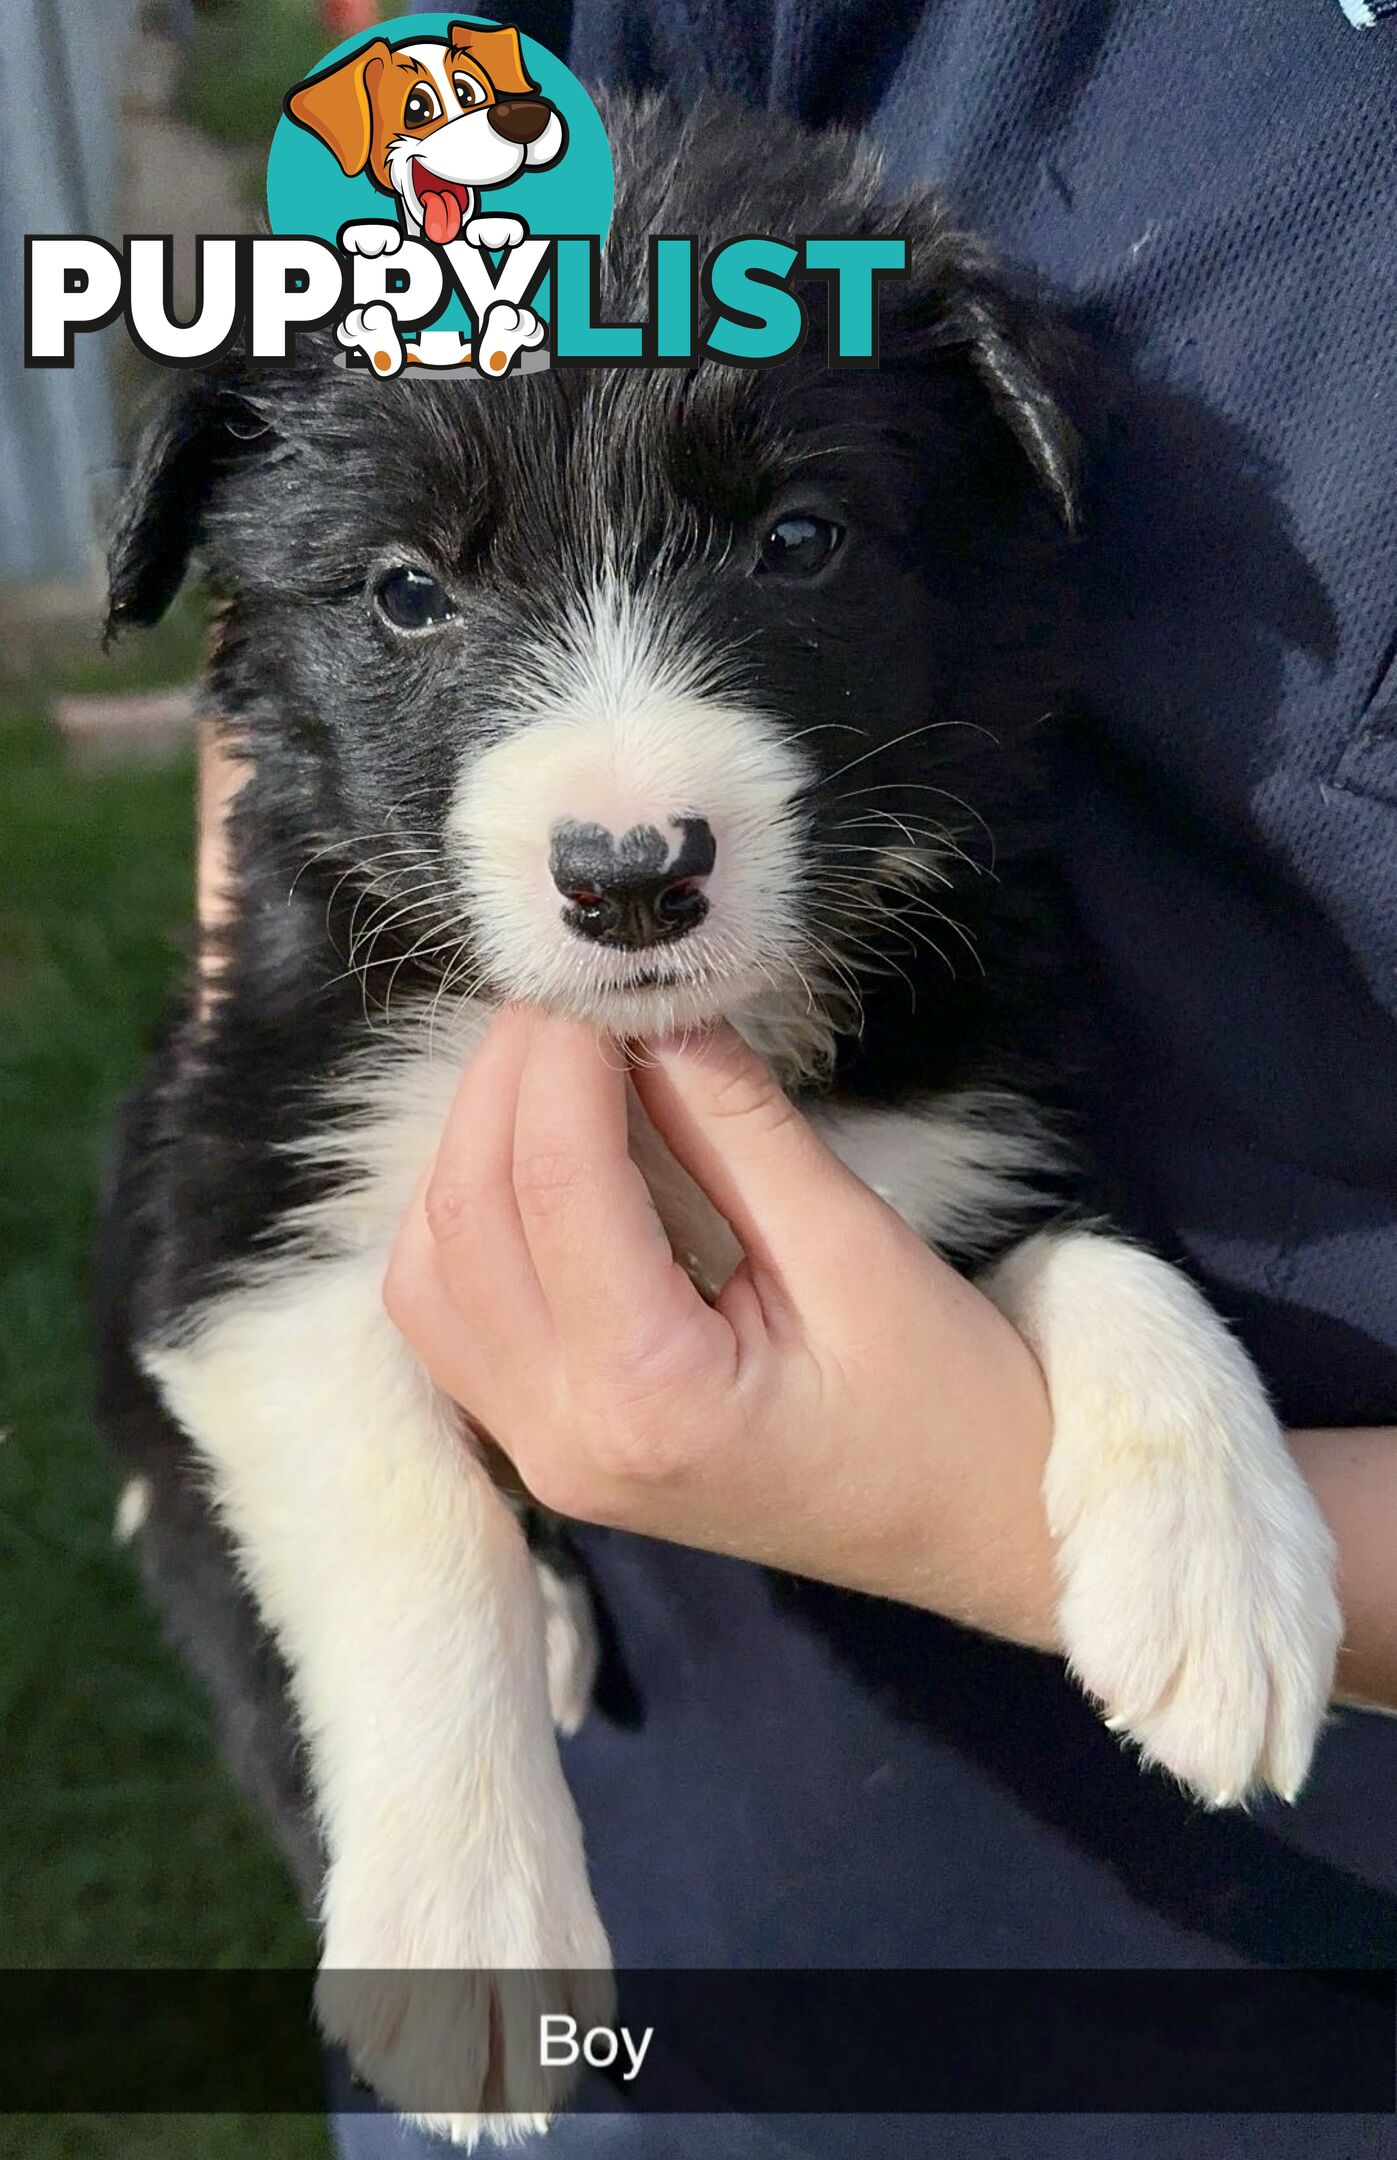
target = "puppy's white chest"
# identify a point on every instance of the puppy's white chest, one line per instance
(958, 1170)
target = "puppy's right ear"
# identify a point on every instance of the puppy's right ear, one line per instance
(338, 105)
(159, 521)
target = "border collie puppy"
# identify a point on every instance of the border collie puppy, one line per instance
(650, 695)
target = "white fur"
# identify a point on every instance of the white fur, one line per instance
(570, 1646)
(426, 1650)
(611, 720)
(960, 1170)
(1198, 1600)
(132, 1509)
(400, 1589)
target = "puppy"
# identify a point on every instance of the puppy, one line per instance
(433, 122)
(713, 716)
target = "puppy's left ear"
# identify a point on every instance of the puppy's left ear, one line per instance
(958, 303)
(197, 432)
(1029, 365)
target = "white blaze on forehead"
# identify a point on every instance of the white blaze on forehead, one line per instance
(611, 721)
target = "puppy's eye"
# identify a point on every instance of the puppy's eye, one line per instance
(798, 546)
(468, 90)
(421, 106)
(411, 600)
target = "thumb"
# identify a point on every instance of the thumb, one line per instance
(790, 1202)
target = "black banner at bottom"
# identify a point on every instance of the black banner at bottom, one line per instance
(742, 2042)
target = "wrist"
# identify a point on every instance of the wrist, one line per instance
(956, 1522)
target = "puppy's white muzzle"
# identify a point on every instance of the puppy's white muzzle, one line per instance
(686, 800)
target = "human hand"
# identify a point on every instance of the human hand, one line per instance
(849, 1408)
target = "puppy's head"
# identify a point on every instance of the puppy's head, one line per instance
(648, 694)
(433, 119)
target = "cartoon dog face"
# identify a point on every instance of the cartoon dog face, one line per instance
(433, 121)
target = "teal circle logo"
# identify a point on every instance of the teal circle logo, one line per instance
(451, 128)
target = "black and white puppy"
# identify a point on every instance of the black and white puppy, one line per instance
(648, 695)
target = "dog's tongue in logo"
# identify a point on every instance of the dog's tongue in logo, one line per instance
(437, 121)
(441, 218)
(444, 204)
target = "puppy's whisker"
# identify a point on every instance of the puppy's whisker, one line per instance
(881, 959)
(847, 983)
(896, 742)
(925, 787)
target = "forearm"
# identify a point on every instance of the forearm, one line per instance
(1353, 1475)
(986, 1559)
(948, 1514)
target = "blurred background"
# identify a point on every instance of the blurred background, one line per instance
(121, 1841)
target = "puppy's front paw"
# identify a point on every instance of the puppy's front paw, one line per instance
(1199, 1609)
(442, 2012)
(570, 1646)
(495, 232)
(371, 238)
(460, 2052)
(506, 331)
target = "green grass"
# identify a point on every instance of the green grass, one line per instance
(121, 1840)
(243, 57)
(241, 60)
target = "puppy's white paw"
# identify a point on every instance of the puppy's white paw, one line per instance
(506, 332)
(1197, 1572)
(570, 1645)
(458, 2053)
(372, 238)
(373, 331)
(436, 1989)
(495, 232)
(1199, 1611)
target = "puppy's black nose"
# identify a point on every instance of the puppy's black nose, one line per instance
(520, 120)
(633, 890)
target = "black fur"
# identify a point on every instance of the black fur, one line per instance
(955, 463)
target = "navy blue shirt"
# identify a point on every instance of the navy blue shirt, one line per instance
(817, 1779)
(1219, 179)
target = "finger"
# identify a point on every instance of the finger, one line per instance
(445, 1339)
(789, 1200)
(471, 1209)
(611, 1282)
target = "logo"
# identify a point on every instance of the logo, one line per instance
(439, 191)
(461, 135)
